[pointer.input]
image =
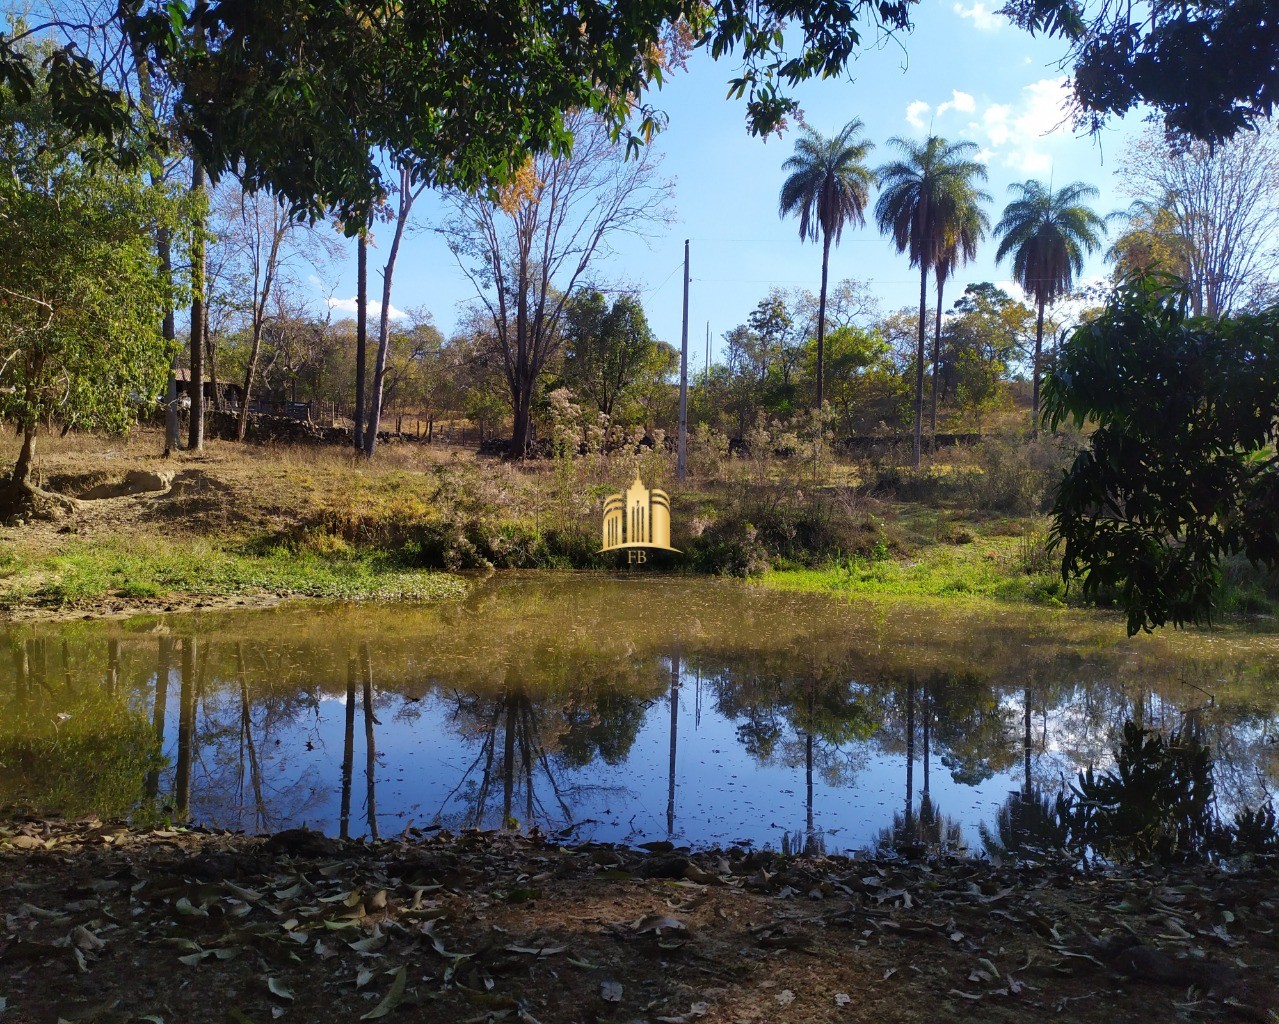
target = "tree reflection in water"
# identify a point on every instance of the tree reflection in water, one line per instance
(549, 684)
(523, 745)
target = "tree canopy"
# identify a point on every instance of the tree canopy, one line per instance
(311, 99)
(1181, 470)
(1210, 67)
(82, 297)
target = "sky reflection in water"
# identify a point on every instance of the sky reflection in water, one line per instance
(620, 708)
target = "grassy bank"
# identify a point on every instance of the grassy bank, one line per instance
(241, 524)
(149, 569)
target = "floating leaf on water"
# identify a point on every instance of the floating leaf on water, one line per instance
(278, 988)
(393, 997)
(611, 991)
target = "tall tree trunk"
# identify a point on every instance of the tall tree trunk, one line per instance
(361, 332)
(160, 709)
(1034, 399)
(22, 468)
(348, 752)
(164, 245)
(932, 419)
(674, 742)
(172, 436)
(195, 436)
(919, 366)
(821, 324)
(508, 762)
(186, 730)
(910, 756)
(164, 250)
(928, 720)
(370, 744)
(1026, 740)
(242, 423)
(210, 354)
(384, 321)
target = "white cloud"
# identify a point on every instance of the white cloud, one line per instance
(375, 308)
(915, 114)
(961, 101)
(1022, 134)
(1030, 161)
(982, 17)
(1046, 109)
(994, 122)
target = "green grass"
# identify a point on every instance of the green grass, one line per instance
(989, 567)
(82, 575)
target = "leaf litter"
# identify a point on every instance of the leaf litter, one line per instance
(310, 928)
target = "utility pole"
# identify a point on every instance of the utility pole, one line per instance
(707, 367)
(682, 455)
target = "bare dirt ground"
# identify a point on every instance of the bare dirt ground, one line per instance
(227, 488)
(109, 924)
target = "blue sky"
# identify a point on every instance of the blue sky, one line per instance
(964, 73)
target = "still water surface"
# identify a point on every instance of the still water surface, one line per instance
(625, 708)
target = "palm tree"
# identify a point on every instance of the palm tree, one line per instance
(1047, 234)
(919, 195)
(829, 186)
(964, 225)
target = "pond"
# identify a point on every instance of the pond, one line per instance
(626, 708)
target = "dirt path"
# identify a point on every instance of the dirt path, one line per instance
(109, 924)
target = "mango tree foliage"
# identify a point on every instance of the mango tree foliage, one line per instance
(82, 298)
(1210, 67)
(607, 347)
(1181, 470)
(305, 95)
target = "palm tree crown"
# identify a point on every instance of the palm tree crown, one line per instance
(917, 190)
(927, 201)
(828, 186)
(1047, 234)
(829, 183)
